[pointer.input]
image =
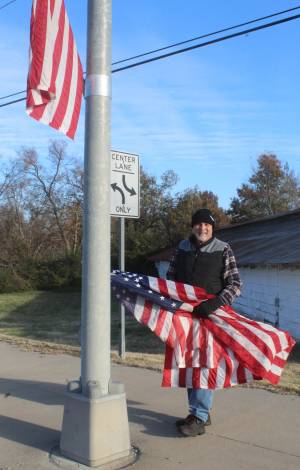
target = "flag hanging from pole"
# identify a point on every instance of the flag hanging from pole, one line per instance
(55, 77)
(220, 351)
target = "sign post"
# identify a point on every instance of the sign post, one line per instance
(125, 203)
(122, 339)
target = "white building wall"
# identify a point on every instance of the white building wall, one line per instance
(162, 268)
(272, 295)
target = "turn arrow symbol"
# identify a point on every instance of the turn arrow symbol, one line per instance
(116, 187)
(130, 191)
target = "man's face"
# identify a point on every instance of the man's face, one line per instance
(203, 232)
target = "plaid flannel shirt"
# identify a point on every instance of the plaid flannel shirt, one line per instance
(230, 275)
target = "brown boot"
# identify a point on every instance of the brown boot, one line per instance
(193, 427)
(182, 421)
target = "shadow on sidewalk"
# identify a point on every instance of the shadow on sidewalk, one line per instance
(154, 423)
(46, 393)
(44, 438)
(28, 434)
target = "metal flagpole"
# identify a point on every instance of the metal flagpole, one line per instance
(95, 424)
(95, 348)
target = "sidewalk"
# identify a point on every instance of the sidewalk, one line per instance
(251, 429)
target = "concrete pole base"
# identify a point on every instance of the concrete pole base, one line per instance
(95, 431)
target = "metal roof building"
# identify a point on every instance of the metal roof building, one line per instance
(269, 241)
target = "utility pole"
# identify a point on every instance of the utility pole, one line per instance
(95, 425)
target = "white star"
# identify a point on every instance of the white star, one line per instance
(114, 287)
(118, 296)
(150, 291)
(128, 298)
(173, 304)
(126, 279)
(162, 298)
(138, 285)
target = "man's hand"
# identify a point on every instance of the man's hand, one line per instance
(207, 307)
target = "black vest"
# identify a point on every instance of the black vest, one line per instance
(201, 266)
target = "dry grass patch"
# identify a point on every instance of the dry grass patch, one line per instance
(49, 322)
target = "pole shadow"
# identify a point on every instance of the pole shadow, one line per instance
(46, 393)
(28, 434)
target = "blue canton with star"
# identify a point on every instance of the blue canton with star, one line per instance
(127, 286)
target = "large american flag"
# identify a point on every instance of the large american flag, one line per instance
(223, 350)
(55, 78)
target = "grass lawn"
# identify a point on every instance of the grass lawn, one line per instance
(54, 317)
(41, 315)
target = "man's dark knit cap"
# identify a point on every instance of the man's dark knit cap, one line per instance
(203, 216)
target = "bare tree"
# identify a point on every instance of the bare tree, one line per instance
(57, 191)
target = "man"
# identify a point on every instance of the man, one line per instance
(204, 261)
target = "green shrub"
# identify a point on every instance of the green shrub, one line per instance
(64, 273)
(12, 282)
(58, 274)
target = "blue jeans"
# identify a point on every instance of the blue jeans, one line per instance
(200, 402)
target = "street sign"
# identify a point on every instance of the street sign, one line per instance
(125, 185)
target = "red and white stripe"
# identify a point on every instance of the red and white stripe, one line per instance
(159, 321)
(55, 78)
(218, 352)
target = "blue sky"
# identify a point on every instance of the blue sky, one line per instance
(207, 114)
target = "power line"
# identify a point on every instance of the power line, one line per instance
(180, 51)
(208, 43)
(6, 4)
(13, 94)
(206, 35)
(12, 102)
(184, 42)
